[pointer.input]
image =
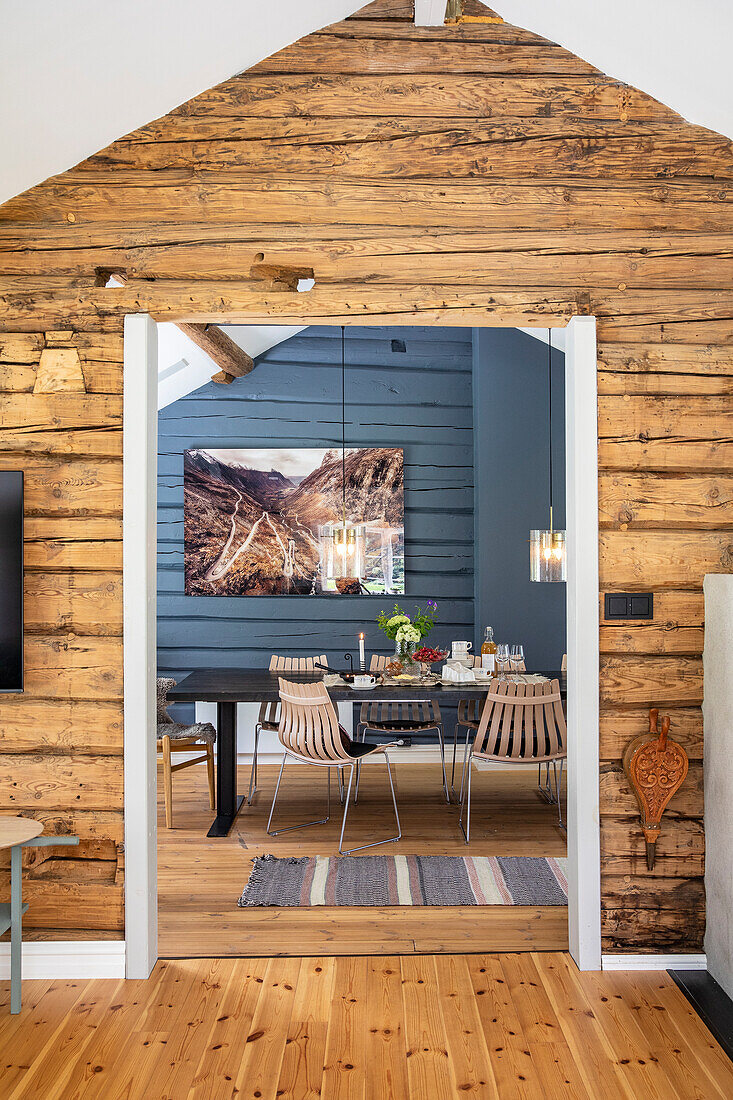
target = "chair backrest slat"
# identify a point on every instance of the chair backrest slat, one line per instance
(522, 722)
(270, 712)
(296, 664)
(309, 725)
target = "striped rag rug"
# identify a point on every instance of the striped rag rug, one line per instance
(406, 880)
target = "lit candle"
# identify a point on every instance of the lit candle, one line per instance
(362, 661)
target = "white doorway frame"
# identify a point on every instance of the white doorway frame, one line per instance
(140, 427)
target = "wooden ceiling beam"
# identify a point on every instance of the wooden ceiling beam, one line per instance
(232, 360)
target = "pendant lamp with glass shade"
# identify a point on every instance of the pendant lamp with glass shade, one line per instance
(342, 543)
(547, 552)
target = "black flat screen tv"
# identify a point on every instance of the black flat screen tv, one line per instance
(11, 580)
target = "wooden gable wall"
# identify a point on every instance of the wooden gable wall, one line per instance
(457, 175)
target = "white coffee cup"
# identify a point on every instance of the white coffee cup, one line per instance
(460, 649)
(364, 680)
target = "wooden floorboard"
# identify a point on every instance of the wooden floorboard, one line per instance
(200, 879)
(428, 1027)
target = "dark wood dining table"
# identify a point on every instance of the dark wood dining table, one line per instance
(228, 686)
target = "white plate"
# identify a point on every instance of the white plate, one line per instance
(367, 687)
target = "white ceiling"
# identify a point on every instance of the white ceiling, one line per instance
(78, 74)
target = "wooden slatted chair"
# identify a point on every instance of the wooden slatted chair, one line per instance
(469, 716)
(173, 737)
(269, 716)
(397, 718)
(520, 724)
(309, 732)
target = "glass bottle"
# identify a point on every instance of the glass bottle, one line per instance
(488, 650)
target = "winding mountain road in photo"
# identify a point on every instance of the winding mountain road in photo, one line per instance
(221, 565)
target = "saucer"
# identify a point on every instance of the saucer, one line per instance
(363, 687)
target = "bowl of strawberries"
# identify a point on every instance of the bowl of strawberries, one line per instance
(427, 656)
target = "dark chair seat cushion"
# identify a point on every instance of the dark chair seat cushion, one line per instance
(357, 749)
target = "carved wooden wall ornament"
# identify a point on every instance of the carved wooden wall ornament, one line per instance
(656, 768)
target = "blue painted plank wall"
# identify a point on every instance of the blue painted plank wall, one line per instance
(420, 399)
(512, 489)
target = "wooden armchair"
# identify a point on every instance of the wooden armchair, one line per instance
(469, 716)
(172, 738)
(519, 724)
(309, 732)
(269, 716)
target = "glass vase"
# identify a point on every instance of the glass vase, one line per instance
(404, 652)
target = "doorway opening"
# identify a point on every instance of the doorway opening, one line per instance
(453, 498)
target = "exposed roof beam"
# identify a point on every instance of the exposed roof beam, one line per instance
(228, 356)
(434, 13)
(184, 367)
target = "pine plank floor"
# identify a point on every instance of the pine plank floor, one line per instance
(423, 1027)
(200, 879)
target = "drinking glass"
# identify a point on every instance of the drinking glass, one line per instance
(516, 658)
(502, 660)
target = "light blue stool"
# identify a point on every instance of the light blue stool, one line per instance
(17, 833)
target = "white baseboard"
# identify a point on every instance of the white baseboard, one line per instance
(654, 962)
(415, 754)
(68, 959)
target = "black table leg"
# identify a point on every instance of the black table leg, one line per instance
(227, 803)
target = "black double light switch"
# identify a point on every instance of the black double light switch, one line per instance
(628, 605)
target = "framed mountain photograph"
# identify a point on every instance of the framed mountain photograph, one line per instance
(294, 522)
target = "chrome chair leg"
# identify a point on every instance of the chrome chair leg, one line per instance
(306, 824)
(253, 773)
(466, 801)
(545, 789)
(558, 786)
(463, 774)
(456, 728)
(374, 843)
(360, 736)
(441, 741)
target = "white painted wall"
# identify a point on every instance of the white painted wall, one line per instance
(139, 507)
(79, 74)
(677, 51)
(581, 521)
(718, 730)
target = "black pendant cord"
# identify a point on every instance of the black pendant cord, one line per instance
(343, 425)
(549, 388)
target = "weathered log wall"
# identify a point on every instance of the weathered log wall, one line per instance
(474, 174)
